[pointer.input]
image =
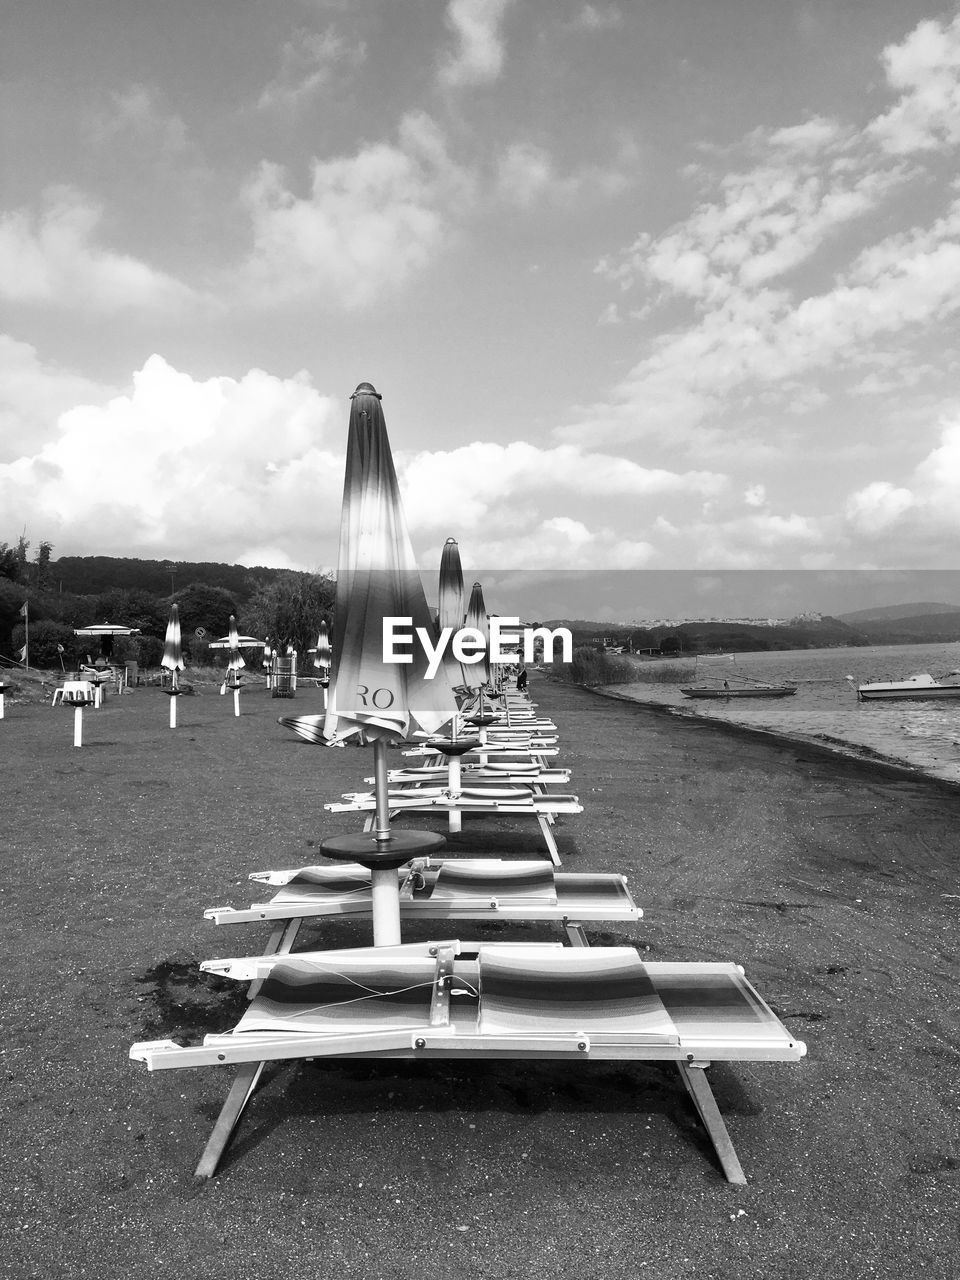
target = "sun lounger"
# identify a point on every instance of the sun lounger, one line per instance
(509, 772)
(510, 800)
(464, 1000)
(441, 889)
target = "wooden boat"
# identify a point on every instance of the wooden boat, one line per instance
(739, 691)
(919, 688)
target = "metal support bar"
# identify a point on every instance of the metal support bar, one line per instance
(694, 1077)
(246, 1080)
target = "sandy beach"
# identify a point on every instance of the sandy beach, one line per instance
(832, 881)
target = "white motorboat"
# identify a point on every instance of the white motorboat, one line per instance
(920, 687)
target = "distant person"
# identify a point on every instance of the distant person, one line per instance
(521, 679)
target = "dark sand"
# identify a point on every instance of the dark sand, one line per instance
(832, 882)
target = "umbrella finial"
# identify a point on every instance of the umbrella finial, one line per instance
(366, 389)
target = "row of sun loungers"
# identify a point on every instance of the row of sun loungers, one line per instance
(457, 999)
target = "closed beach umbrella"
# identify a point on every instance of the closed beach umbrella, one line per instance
(321, 657)
(450, 607)
(377, 578)
(172, 659)
(478, 673)
(234, 663)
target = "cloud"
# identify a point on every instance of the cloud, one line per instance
(309, 63)
(34, 394)
(755, 496)
(595, 17)
(250, 469)
(478, 58)
(926, 67)
(526, 174)
(451, 487)
(370, 222)
(226, 465)
(138, 112)
(787, 269)
(53, 259)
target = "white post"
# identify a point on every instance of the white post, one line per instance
(173, 711)
(455, 817)
(78, 727)
(386, 906)
(236, 701)
(1, 704)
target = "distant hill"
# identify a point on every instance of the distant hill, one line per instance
(924, 628)
(728, 637)
(893, 612)
(93, 575)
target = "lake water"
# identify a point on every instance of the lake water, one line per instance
(825, 710)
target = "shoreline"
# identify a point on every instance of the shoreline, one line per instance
(831, 748)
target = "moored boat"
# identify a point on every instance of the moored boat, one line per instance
(739, 691)
(920, 687)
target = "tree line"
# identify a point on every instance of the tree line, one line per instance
(283, 605)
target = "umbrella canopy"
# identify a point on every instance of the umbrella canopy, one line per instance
(377, 578)
(245, 642)
(172, 648)
(478, 673)
(309, 728)
(450, 611)
(322, 655)
(107, 629)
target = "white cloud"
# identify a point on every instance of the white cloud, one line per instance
(755, 496)
(216, 469)
(926, 67)
(524, 171)
(596, 17)
(33, 395)
(310, 63)
(478, 58)
(526, 174)
(369, 222)
(54, 259)
(782, 272)
(877, 506)
(463, 487)
(138, 111)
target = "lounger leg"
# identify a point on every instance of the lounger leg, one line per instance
(248, 1075)
(240, 1092)
(699, 1089)
(576, 934)
(549, 840)
(281, 942)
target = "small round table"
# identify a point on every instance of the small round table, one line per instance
(382, 855)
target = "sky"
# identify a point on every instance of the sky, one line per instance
(645, 285)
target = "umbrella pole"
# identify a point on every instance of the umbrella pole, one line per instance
(382, 826)
(78, 727)
(384, 881)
